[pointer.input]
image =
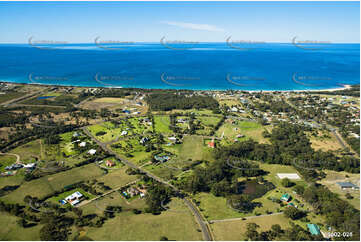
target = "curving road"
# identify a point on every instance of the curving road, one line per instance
(16, 155)
(205, 230)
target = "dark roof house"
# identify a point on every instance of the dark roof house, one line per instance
(346, 185)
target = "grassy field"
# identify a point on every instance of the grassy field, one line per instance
(128, 226)
(113, 199)
(207, 123)
(28, 152)
(333, 177)
(6, 160)
(214, 208)
(52, 94)
(47, 185)
(11, 180)
(195, 111)
(109, 100)
(161, 124)
(111, 131)
(249, 129)
(116, 178)
(9, 96)
(131, 146)
(324, 141)
(10, 230)
(235, 230)
(191, 150)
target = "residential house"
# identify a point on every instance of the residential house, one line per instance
(286, 197)
(347, 185)
(314, 229)
(74, 198)
(163, 158)
(110, 163)
(92, 152)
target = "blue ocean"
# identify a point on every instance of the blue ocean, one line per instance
(202, 66)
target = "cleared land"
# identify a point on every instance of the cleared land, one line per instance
(173, 225)
(249, 129)
(45, 186)
(10, 96)
(216, 208)
(235, 230)
(161, 124)
(324, 141)
(333, 177)
(10, 230)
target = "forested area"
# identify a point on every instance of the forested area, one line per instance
(170, 101)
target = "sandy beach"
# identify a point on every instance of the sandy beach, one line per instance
(344, 87)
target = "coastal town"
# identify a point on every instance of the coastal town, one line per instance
(199, 165)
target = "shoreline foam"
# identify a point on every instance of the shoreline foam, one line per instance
(344, 87)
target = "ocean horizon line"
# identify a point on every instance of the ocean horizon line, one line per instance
(253, 42)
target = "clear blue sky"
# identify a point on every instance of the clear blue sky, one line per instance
(81, 22)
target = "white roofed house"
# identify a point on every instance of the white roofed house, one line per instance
(82, 144)
(74, 198)
(123, 133)
(92, 152)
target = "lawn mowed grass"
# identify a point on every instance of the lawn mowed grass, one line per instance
(11, 231)
(330, 182)
(129, 226)
(63, 195)
(45, 186)
(161, 124)
(235, 230)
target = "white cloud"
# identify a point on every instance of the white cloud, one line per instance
(194, 26)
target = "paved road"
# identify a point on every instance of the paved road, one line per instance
(206, 233)
(342, 142)
(205, 229)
